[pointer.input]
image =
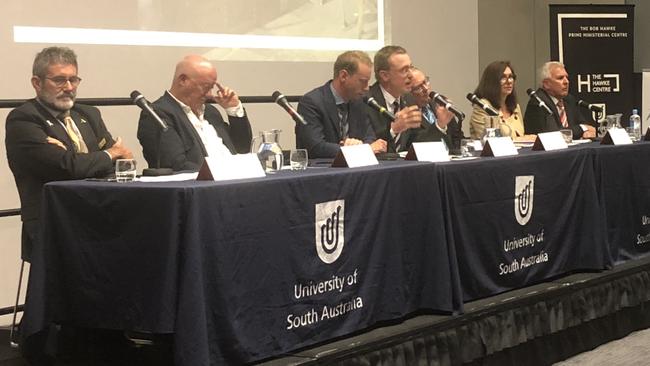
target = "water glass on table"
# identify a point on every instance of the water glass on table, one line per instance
(467, 148)
(125, 170)
(567, 134)
(298, 159)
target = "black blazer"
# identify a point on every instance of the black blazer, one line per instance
(321, 135)
(181, 147)
(35, 162)
(536, 120)
(381, 124)
(430, 132)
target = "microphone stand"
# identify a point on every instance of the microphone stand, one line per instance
(157, 171)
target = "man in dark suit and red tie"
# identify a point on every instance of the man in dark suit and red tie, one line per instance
(52, 138)
(554, 91)
(335, 114)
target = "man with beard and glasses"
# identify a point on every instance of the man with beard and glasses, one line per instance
(50, 138)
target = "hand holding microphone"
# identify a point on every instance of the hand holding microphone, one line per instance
(444, 102)
(406, 118)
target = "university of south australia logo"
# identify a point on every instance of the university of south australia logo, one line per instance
(524, 193)
(330, 219)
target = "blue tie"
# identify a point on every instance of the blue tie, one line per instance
(429, 116)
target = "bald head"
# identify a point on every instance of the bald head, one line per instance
(193, 66)
(194, 79)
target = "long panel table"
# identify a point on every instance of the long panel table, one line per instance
(241, 271)
(519, 220)
(623, 175)
(245, 270)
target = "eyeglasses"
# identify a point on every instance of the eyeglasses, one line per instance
(505, 79)
(61, 81)
(422, 88)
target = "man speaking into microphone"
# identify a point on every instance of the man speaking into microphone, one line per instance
(441, 124)
(393, 74)
(334, 113)
(195, 127)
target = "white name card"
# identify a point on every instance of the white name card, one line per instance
(228, 167)
(499, 146)
(550, 141)
(355, 156)
(434, 151)
(616, 136)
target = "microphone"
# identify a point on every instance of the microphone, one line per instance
(531, 93)
(591, 107)
(442, 100)
(383, 111)
(281, 100)
(486, 107)
(140, 101)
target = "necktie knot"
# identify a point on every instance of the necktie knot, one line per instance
(396, 106)
(73, 132)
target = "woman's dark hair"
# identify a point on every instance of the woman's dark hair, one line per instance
(490, 85)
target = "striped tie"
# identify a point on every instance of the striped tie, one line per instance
(562, 112)
(77, 140)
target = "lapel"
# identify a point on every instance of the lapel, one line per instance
(185, 123)
(54, 127)
(549, 102)
(332, 111)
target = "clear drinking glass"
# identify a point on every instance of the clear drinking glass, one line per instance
(467, 147)
(125, 170)
(299, 159)
(568, 135)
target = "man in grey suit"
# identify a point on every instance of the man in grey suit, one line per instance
(52, 138)
(196, 128)
(335, 113)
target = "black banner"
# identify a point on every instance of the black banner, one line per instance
(596, 44)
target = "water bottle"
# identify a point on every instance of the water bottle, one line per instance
(635, 124)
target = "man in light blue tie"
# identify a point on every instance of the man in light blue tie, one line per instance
(442, 125)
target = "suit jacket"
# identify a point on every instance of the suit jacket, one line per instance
(35, 162)
(536, 120)
(321, 135)
(430, 132)
(480, 117)
(180, 147)
(381, 124)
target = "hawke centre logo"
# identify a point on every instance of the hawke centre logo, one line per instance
(329, 225)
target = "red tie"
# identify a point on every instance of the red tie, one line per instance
(560, 109)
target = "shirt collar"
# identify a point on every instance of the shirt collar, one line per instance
(185, 107)
(337, 98)
(390, 99)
